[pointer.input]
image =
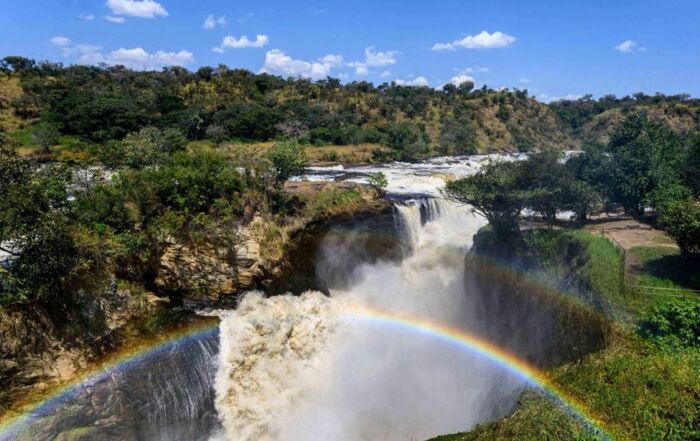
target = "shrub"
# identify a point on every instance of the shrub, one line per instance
(673, 325)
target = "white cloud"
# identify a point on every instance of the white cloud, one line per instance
(549, 99)
(418, 81)
(373, 59)
(385, 74)
(113, 19)
(137, 8)
(524, 80)
(211, 22)
(134, 58)
(60, 41)
(332, 59)
(231, 42)
(628, 46)
(278, 63)
(361, 69)
(482, 40)
(471, 70)
(461, 79)
(88, 17)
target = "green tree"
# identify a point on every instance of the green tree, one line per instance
(45, 135)
(681, 220)
(407, 140)
(496, 192)
(645, 156)
(288, 159)
(151, 146)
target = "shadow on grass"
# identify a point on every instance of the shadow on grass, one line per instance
(669, 265)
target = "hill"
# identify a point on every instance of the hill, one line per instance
(96, 104)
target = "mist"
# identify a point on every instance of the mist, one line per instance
(303, 368)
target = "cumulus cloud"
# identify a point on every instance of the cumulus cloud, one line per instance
(461, 79)
(332, 59)
(418, 81)
(482, 40)
(373, 59)
(60, 41)
(211, 22)
(113, 19)
(231, 42)
(279, 63)
(524, 80)
(549, 99)
(137, 8)
(385, 74)
(628, 46)
(88, 17)
(134, 58)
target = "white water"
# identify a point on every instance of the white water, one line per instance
(301, 368)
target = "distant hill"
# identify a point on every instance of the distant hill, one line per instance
(98, 104)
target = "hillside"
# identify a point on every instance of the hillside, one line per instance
(95, 105)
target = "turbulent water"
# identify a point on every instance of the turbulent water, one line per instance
(309, 368)
(306, 368)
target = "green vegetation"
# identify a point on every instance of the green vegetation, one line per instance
(644, 385)
(536, 419)
(639, 168)
(673, 325)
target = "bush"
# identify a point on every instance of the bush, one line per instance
(288, 159)
(673, 325)
(681, 220)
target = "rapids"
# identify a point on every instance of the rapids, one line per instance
(301, 368)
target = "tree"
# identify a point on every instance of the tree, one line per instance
(645, 155)
(681, 220)
(288, 159)
(46, 135)
(407, 140)
(496, 193)
(458, 137)
(378, 181)
(151, 146)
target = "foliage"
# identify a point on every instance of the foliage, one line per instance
(150, 146)
(645, 158)
(672, 325)
(407, 140)
(377, 180)
(495, 192)
(681, 220)
(288, 159)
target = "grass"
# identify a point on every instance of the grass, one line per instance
(536, 419)
(346, 154)
(636, 390)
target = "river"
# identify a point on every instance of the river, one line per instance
(354, 365)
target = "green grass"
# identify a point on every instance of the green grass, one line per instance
(603, 270)
(637, 391)
(640, 393)
(596, 260)
(536, 419)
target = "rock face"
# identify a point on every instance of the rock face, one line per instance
(210, 269)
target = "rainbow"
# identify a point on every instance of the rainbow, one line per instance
(126, 359)
(487, 350)
(132, 357)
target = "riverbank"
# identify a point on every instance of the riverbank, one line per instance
(39, 356)
(636, 387)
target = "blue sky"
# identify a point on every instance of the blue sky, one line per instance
(552, 48)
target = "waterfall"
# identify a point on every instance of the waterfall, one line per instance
(167, 397)
(298, 368)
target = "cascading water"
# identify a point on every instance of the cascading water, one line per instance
(169, 397)
(300, 368)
